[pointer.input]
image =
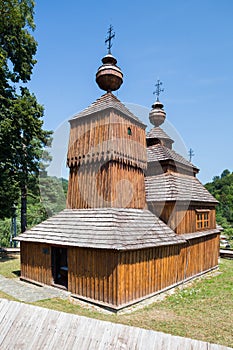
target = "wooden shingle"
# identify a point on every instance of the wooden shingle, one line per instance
(174, 187)
(158, 133)
(108, 101)
(157, 153)
(104, 228)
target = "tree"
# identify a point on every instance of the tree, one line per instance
(46, 196)
(22, 138)
(222, 189)
(225, 172)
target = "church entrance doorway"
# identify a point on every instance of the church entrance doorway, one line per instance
(60, 267)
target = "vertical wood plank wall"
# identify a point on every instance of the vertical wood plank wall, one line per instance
(36, 262)
(118, 278)
(181, 219)
(102, 132)
(148, 271)
(113, 184)
(93, 274)
(101, 154)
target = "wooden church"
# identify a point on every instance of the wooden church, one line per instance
(138, 221)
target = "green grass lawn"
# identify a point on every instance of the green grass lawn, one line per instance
(10, 266)
(202, 310)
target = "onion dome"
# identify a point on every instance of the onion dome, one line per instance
(157, 114)
(109, 76)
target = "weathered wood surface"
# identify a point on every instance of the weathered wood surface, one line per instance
(111, 228)
(36, 262)
(182, 217)
(103, 135)
(106, 184)
(176, 187)
(119, 278)
(164, 158)
(28, 327)
(9, 251)
(224, 253)
(106, 157)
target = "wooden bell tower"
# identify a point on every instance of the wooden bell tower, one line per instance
(107, 149)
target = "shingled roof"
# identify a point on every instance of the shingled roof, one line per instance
(108, 101)
(157, 153)
(104, 228)
(199, 234)
(158, 133)
(175, 186)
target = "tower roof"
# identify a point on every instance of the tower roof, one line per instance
(111, 146)
(158, 133)
(108, 101)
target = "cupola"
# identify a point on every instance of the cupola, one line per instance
(109, 76)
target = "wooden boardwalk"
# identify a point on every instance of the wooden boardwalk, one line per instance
(225, 253)
(27, 327)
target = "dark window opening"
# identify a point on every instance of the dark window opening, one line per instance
(129, 131)
(153, 141)
(60, 266)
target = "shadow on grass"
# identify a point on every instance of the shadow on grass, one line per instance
(8, 257)
(17, 273)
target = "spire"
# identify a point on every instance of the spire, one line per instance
(157, 114)
(109, 76)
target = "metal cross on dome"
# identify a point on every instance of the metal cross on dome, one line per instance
(108, 40)
(158, 89)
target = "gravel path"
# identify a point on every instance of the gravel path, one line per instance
(27, 292)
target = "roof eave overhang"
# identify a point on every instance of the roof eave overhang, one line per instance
(191, 202)
(104, 109)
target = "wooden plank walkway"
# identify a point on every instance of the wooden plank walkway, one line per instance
(27, 327)
(225, 253)
(9, 251)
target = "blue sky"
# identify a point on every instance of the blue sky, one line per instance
(186, 44)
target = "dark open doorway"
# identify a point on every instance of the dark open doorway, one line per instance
(60, 266)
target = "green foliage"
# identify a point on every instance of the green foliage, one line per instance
(53, 195)
(9, 193)
(5, 232)
(46, 197)
(17, 45)
(22, 138)
(222, 189)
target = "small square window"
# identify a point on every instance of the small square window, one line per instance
(202, 220)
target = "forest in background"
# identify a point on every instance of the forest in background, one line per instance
(222, 189)
(47, 197)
